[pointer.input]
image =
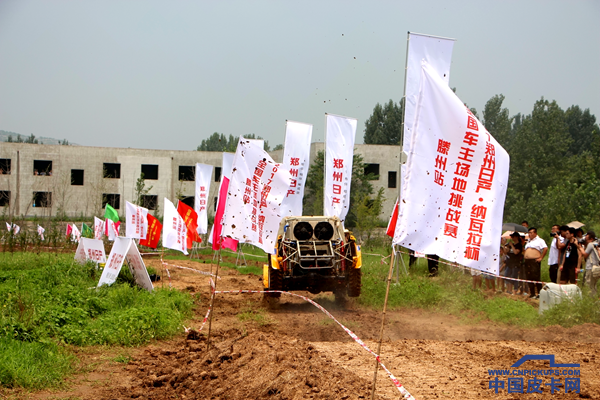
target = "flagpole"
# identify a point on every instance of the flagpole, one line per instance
(391, 269)
(212, 298)
(324, 164)
(387, 293)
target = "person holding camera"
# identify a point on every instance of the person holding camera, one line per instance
(554, 253)
(592, 261)
(570, 259)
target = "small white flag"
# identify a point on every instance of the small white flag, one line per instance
(174, 234)
(75, 234)
(98, 228)
(136, 223)
(41, 231)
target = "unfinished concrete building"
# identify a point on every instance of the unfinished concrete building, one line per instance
(78, 181)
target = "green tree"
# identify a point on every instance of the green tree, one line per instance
(141, 190)
(220, 142)
(31, 139)
(384, 126)
(583, 130)
(367, 213)
(497, 121)
(215, 142)
(360, 187)
(278, 147)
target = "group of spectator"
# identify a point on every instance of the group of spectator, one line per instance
(570, 252)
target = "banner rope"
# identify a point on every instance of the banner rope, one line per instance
(405, 394)
(191, 269)
(455, 265)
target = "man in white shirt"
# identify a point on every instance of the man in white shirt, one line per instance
(533, 261)
(554, 252)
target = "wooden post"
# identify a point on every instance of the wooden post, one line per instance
(212, 300)
(387, 292)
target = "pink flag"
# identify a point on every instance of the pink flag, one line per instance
(217, 240)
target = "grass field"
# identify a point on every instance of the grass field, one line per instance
(49, 303)
(451, 292)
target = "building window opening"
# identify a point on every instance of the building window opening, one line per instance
(112, 170)
(392, 179)
(217, 174)
(42, 167)
(186, 173)
(112, 199)
(42, 199)
(372, 171)
(77, 177)
(5, 164)
(150, 171)
(4, 198)
(188, 200)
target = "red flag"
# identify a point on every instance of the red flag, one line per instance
(153, 235)
(190, 218)
(391, 228)
(69, 230)
(218, 228)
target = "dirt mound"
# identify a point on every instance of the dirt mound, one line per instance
(257, 365)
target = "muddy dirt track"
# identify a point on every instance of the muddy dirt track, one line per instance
(291, 350)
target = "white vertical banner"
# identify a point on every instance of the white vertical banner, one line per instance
(437, 52)
(256, 189)
(136, 221)
(296, 159)
(339, 150)
(203, 177)
(98, 228)
(456, 179)
(174, 233)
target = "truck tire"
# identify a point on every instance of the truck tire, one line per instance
(354, 282)
(275, 281)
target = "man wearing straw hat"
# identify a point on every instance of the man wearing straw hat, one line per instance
(535, 251)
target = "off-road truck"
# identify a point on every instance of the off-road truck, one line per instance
(314, 254)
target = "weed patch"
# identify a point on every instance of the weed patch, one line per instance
(49, 299)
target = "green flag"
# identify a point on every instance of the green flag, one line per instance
(111, 213)
(86, 231)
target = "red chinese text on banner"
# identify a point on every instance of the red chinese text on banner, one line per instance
(456, 178)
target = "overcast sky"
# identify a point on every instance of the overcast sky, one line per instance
(165, 75)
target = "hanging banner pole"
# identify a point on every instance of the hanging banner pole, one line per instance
(213, 289)
(387, 293)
